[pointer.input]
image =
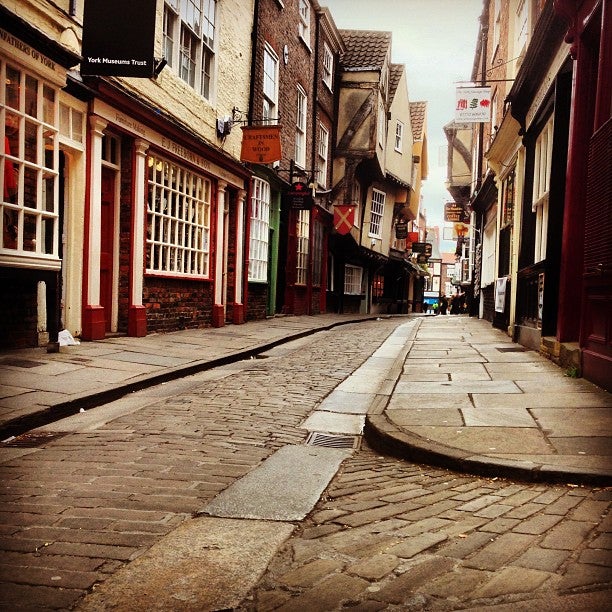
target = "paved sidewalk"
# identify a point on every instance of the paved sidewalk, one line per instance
(460, 394)
(468, 398)
(37, 387)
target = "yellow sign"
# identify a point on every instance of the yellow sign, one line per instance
(260, 144)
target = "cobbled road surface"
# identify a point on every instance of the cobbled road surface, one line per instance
(387, 534)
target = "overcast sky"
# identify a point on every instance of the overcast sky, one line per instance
(436, 40)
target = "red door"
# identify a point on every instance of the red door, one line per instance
(107, 243)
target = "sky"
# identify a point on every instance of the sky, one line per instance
(436, 40)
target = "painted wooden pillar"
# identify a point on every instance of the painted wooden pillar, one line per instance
(218, 312)
(94, 326)
(137, 315)
(239, 309)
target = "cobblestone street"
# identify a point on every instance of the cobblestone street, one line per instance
(89, 495)
(395, 536)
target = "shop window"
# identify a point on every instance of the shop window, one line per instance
(317, 254)
(178, 220)
(352, 280)
(260, 231)
(302, 235)
(29, 169)
(72, 124)
(189, 41)
(376, 213)
(541, 187)
(378, 287)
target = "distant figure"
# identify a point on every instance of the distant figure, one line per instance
(443, 304)
(455, 304)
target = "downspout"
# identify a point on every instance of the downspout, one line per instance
(484, 25)
(254, 37)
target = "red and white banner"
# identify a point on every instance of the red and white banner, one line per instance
(344, 218)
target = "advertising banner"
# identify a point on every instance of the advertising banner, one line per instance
(119, 38)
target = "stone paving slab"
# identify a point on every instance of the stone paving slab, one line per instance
(283, 488)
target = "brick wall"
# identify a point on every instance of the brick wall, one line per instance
(174, 304)
(257, 301)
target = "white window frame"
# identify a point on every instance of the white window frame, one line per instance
(541, 187)
(303, 244)
(399, 136)
(178, 220)
(270, 85)
(304, 23)
(328, 66)
(300, 128)
(322, 156)
(259, 237)
(353, 278)
(192, 21)
(29, 169)
(377, 212)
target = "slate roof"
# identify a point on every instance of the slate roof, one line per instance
(418, 111)
(395, 74)
(365, 49)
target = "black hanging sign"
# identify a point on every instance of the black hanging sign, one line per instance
(300, 196)
(401, 230)
(119, 38)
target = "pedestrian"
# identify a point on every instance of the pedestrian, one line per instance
(455, 304)
(443, 304)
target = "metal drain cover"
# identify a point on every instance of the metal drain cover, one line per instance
(317, 438)
(33, 439)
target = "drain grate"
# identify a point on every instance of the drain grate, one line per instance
(317, 438)
(512, 349)
(33, 439)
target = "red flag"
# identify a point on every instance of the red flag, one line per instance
(344, 218)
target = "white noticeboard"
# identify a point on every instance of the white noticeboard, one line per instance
(500, 294)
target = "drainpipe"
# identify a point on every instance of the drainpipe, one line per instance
(484, 29)
(254, 37)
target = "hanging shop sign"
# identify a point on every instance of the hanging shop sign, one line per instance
(261, 144)
(473, 105)
(401, 230)
(424, 248)
(119, 38)
(299, 196)
(455, 213)
(344, 218)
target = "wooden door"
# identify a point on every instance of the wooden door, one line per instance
(107, 245)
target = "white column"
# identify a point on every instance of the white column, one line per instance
(139, 221)
(221, 186)
(97, 126)
(240, 245)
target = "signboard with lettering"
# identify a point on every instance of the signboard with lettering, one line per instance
(261, 144)
(300, 197)
(455, 213)
(119, 38)
(422, 247)
(473, 104)
(401, 230)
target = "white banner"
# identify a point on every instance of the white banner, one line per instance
(473, 104)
